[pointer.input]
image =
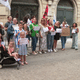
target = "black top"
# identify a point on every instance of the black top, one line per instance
(57, 36)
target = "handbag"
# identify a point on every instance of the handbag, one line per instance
(37, 35)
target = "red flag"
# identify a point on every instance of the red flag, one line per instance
(46, 11)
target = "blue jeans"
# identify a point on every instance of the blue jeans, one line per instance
(27, 36)
(50, 40)
(63, 41)
(34, 42)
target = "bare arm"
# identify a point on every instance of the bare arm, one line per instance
(77, 30)
(40, 34)
(3, 47)
(9, 51)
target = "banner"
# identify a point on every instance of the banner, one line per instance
(46, 12)
(5, 3)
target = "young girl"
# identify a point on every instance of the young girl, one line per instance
(11, 50)
(22, 49)
(75, 31)
(17, 33)
(50, 37)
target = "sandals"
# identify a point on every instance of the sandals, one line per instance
(22, 63)
(63, 49)
(34, 53)
(25, 62)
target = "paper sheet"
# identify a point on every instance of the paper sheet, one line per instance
(53, 33)
(23, 41)
(1, 23)
(36, 28)
(73, 31)
(45, 29)
(58, 30)
(16, 27)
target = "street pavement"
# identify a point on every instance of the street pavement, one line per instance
(63, 65)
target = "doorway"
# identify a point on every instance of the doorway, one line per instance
(65, 11)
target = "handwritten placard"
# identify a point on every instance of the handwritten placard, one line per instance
(65, 32)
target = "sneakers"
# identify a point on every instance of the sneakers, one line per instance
(49, 50)
(45, 52)
(40, 52)
(55, 50)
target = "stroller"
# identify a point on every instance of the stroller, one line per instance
(6, 59)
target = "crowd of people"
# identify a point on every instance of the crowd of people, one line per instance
(19, 34)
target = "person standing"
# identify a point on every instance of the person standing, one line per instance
(57, 35)
(12, 28)
(75, 32)
(43, 37)
(7, 24)
(33, 35)
(63, 38)
(17, 33)
(50, 38)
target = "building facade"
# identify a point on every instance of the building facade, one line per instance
(68, 10)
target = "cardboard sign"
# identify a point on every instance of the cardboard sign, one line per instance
(65, 32)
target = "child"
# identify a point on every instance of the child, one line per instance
(50, 37)
(22, 49)
(11, 50)
(75, 31)
(17, 33)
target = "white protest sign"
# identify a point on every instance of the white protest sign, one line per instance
(53, 33)
(36, 28)
(23, 41)
(58, 30)
(1, 23)
(73, 31)
(16, 27)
